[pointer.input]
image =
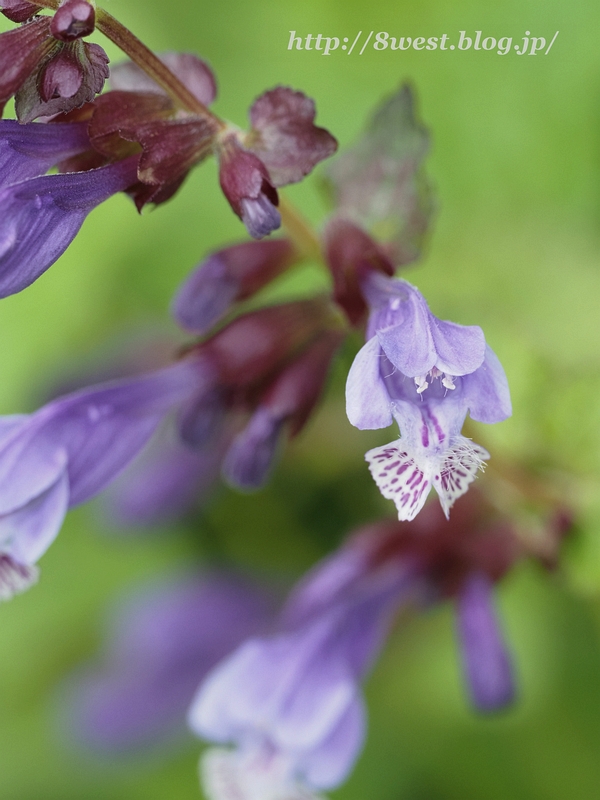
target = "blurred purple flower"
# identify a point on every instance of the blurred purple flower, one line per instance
(67, 452)
(486, 660)
(291, 703)
(160, 644)
(226, 277)
(165, 483)
(426, 374)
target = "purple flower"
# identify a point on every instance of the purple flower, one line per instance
(40, 216)
(291, 703)
(27, 151)
(67, 452)
(161, 643)
(486, 660)
(426, 374)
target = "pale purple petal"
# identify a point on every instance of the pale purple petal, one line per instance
(460, 348)
(253, 451)
(407, 340)
(485, 656)
(329, 764)
(286, 686)
(486, 391)
(161, 643)
(28, 532)
(368, 404)
(259, 215)
(41, 217)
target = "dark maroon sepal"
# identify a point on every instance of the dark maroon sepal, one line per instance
(144, 121)
(285, 137)
(74, 19)
(351, 254)
(380, 181)
(194, 73)
(22, 51)
(18, 10)
(249, 352)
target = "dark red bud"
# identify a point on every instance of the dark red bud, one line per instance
(474, 539)
(246, 184)
(252, 348)
(62, 77)
(351, 254)
(74, 19)
(297, 389)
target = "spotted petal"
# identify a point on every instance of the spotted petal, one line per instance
(400, 478)
(459, 467)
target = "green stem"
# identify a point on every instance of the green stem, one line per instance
(300, 230)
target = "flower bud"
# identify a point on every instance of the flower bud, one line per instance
(247, 186)
(351, 254)
(251, 349)
(227, 276)
(74, 19)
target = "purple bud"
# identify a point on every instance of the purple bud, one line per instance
(486, 660)
(260, 216)
(234, 273)
(74, 19)
(252, 452)
(247, 186)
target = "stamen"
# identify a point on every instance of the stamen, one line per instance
(421, 383)
(448, 381)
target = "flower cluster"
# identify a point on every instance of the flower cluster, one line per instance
(142, 137)
(280, 695)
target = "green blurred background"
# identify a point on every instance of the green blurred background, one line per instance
(515, 248)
